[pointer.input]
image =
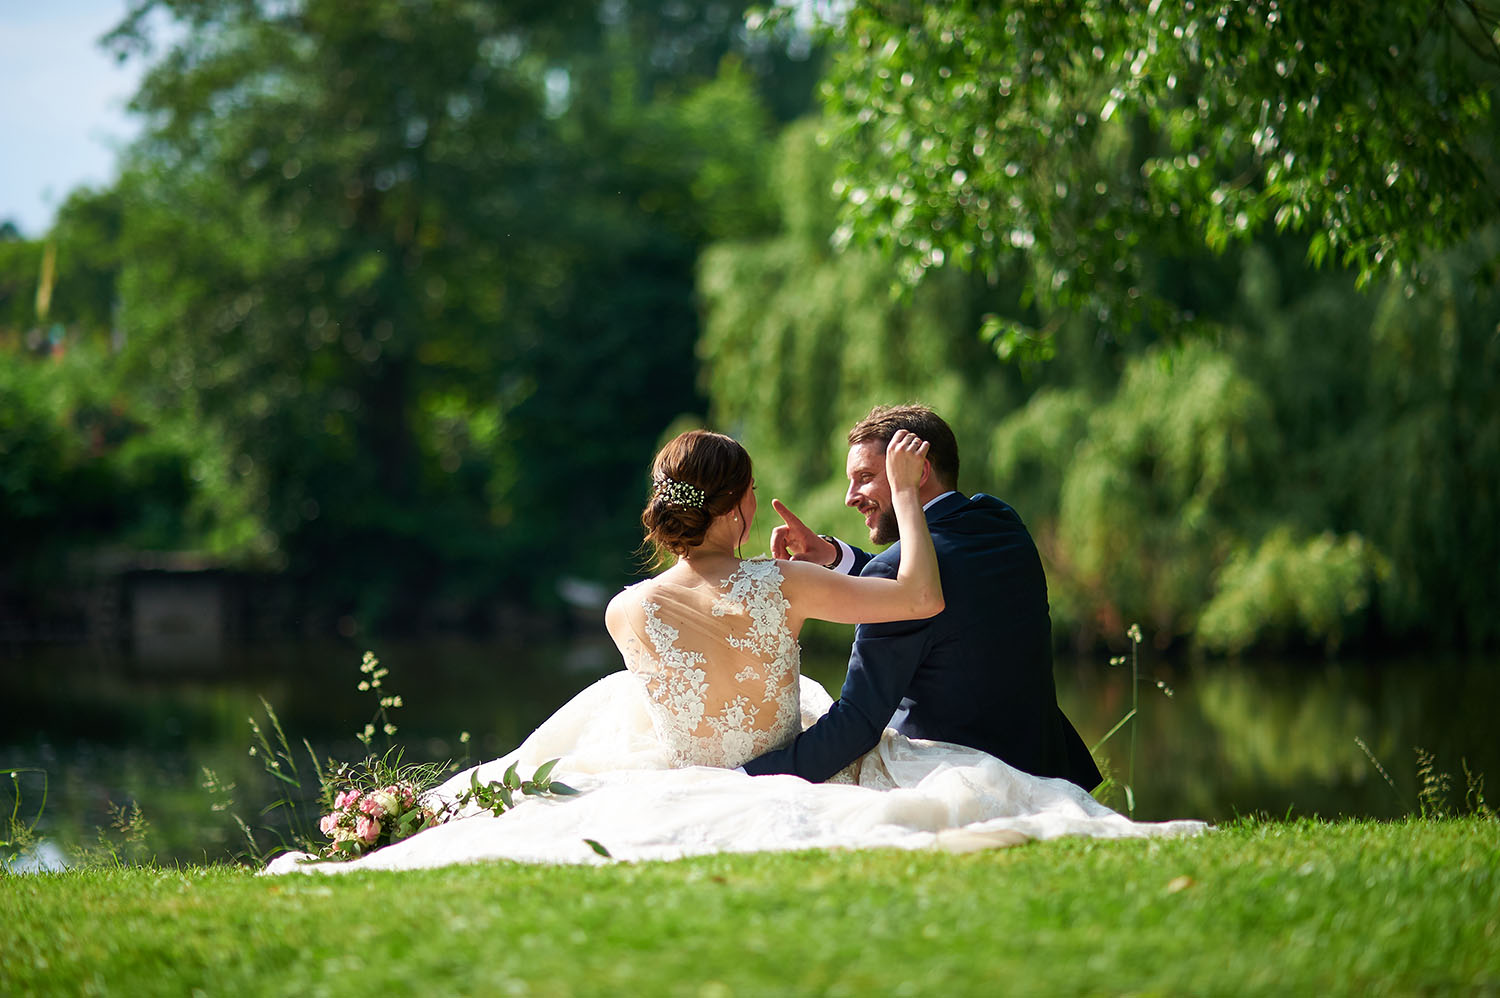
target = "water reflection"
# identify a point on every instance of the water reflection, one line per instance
(1235, 739)
(1279, 739)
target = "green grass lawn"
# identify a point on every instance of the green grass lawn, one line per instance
(1258, 907)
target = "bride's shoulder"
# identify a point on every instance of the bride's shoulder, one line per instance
(627, 602)
(761, 567)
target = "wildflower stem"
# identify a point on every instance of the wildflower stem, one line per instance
(1110, 733)
(1135, 694)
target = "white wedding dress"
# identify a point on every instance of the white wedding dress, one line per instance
(713, 680)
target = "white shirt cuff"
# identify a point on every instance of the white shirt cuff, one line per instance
(845, 564)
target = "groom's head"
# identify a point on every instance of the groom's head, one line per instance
(869, 491)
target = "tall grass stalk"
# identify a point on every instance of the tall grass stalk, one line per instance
(1433, 796)
(1131, 715)
(20, 833)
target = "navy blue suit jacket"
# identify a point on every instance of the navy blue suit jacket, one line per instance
(979, 673)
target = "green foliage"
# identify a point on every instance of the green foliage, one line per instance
(1426, 475)
(1319, 471)
(386, 282)
(1096, 140)
(84, 464)
(20, 272)
(1290, 585)
(1150, 495)
(499, 796)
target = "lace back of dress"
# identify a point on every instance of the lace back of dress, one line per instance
(720, 668)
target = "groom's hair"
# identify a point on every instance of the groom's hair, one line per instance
(884, 420)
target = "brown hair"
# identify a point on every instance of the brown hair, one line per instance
(884, 420)
(675, 519)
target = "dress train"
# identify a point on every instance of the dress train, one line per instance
(904, 794)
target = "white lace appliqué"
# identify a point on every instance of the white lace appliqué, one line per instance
(707, 716)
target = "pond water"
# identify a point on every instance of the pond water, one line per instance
(1271, 738)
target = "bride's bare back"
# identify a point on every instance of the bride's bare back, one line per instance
(717, 658)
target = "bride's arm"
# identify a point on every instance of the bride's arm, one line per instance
(915, 592)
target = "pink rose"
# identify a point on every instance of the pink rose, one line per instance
(329, 823)
(346, 798)
(367, 830)
(379, 805)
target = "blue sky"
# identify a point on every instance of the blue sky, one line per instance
(62, 104)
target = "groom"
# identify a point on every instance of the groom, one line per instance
(980, 672)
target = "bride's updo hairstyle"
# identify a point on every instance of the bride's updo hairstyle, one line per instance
(695, 479)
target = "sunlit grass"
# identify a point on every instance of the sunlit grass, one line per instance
(1255, 908)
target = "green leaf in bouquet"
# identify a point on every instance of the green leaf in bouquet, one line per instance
(598, 847)
(529, 788)
(561, 789)
(512, 778)
(543, 771)
(504, 793)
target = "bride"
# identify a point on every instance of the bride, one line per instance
(713, 680)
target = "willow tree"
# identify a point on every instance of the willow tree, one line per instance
(1118, 175)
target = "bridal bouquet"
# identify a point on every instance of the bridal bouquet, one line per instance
(362, 820)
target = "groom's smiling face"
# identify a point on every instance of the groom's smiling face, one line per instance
(870, 492)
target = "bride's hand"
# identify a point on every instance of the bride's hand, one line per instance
(905, 459)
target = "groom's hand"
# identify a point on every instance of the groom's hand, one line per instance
(792, 540)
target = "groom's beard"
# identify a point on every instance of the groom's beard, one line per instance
(886, 531)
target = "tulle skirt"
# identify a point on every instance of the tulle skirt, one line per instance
(904, 794)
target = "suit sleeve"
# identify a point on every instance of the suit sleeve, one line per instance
(851, 560)
(881, 666)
